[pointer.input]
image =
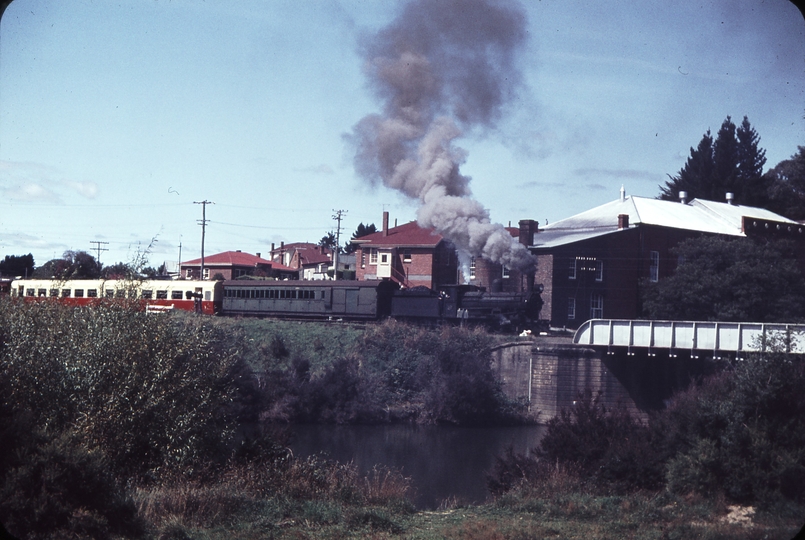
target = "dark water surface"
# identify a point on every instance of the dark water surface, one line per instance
(442, 461)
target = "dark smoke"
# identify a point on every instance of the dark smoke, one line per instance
(442, 68)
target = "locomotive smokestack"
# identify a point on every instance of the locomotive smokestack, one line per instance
(442, 68)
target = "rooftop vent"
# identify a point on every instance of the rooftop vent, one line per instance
(683, 197)
(730, 198)
(623, 193)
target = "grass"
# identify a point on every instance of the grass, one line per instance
(637, 516)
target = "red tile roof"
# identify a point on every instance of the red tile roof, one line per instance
(406, 235)
(231, 258)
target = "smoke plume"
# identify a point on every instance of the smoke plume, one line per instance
(442, 68)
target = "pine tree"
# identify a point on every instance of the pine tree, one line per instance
(732, 163)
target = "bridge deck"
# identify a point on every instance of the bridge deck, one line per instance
(691, 335)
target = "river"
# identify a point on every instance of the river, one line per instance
(444, 462)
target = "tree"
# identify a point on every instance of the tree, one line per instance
(17, 265)
(118, 270)
(328, 241)
(732, 162)
(72, 265)
(786, 183)
(361, 231)
(721, 279)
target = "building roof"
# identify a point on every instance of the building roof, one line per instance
(406, 235)
(233, 258)
(697, 215)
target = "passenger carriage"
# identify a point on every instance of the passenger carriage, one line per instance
(154, 295)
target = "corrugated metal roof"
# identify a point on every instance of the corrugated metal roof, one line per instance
(697, 215)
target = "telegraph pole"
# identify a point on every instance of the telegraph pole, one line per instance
(338, 216)
(98, 248)
(203, 223)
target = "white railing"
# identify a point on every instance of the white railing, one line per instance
(691, 335)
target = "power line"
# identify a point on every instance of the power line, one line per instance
(98, 248)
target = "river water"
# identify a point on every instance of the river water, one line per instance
(444, 462)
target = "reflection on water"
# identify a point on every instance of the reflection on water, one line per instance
(442, 461)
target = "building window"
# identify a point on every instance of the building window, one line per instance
(372, 256)
(571, 270)
(384, 258)
(596, 306)
(505, 272)
(654, 266)
(188, 273)
(472, 268)
(571, 309)
(599, 270)
(407, 255)
(206, 273)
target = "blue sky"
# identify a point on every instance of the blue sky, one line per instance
(115, 117)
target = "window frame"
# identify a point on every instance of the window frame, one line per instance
(654, 266)
(596, 306)
(571, 308)
(572, 268)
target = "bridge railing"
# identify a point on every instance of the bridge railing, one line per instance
(691, 335)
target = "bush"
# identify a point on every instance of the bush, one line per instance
(155, 396)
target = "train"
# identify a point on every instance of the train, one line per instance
(323, 300)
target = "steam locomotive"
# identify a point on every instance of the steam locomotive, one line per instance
(346, 300)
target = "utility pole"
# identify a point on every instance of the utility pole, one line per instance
(203, 223)
(338, 216)
(98, 248)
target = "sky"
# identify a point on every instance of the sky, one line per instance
(118, 118)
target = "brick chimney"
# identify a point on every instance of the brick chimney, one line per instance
(385, 223)
(528, 228)
(623, 221)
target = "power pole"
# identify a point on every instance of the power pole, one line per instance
(98, 248)
(338, 216)
(203, 223)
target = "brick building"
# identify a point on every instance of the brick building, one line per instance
(408, 254)
(591, 264)
(235, 264)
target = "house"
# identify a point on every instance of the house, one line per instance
(408, 254)
(496, 277)
(311, 260)
(591, 264)
(235, 264)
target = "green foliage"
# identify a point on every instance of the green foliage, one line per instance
(72, 265)
(729, 280)
(155, 397)
(787, 186)
(361, 231)
(17, 265)
(54, 487)
(743, 433)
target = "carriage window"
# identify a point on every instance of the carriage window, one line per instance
(92, 293)
(120, 293)
(54, 292)
(78, 293)
(176, 295)
(30, 292)
(147, 294)
(65, 293)
(110, 293)
(42, 292)
(133, 294)
(162, 295)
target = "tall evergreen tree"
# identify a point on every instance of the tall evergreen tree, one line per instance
(733, 162)
(694, 176)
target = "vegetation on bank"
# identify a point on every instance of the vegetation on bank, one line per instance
(121, 425)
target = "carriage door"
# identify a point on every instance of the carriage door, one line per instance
(384, 258)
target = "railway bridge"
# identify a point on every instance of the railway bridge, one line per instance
(634, 364)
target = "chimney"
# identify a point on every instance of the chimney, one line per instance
(258, 255)
(528, 228)
(623, 193)
(683, 197)
(385, 223)
(730, 198)
(272, 248)
(623, 221)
